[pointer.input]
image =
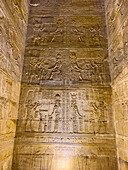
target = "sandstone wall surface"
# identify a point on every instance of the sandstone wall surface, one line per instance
(13, 22)
(117, 22)
(65, 117)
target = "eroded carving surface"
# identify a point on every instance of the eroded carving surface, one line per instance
(64, 68)
(65, 119)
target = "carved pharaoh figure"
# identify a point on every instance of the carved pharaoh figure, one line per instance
(100, 117)
(31, 107)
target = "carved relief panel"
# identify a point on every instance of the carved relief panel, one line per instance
(65, 67)
(65, 111)
(65, 106)
(86, 31)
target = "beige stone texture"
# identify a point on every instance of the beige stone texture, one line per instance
(117, 23)
(64, 94)
(65, 116)
(13, 22)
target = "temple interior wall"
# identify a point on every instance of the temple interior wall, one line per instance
(65, 113)
(70, 111)
(13, 23)
(117, 24)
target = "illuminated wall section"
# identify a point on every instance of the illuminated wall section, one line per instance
(13, 27)
(65, 119)
(117, 24)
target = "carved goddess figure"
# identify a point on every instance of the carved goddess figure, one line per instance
(76, 116)
(56, 113)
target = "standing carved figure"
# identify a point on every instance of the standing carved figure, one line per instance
(100, 117)
(76, 116)
(55, 115)
(31, 107)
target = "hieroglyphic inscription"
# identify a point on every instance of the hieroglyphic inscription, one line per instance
(65, 97)
(72, 69)
(45, 111)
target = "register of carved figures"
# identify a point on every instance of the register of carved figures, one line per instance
(65, 119)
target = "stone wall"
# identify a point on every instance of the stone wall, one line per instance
(65, 117)
(117, 22)
(13, 21)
